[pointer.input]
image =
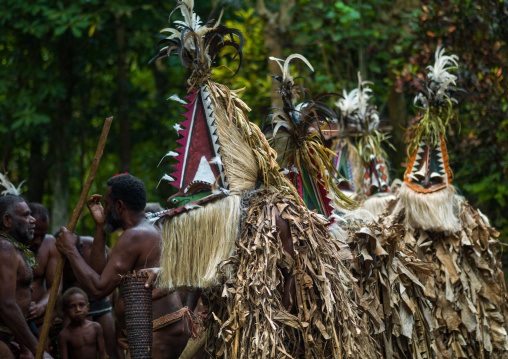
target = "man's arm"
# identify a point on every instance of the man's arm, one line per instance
(10, 312)
(49, 275)
(98, 253)
(101, 345)
(123, 259)
(97, 256)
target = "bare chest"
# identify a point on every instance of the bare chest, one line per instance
(24, 272)
(42, 260)
(82, 339)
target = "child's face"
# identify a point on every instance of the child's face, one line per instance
(77, 307)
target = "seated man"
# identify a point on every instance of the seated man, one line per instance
(138, 247)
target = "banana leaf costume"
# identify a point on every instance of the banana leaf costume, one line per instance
(221, 236)
(467, 290)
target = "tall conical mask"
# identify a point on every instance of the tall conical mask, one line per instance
(200, 172)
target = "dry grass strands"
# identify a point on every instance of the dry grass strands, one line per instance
(377, 204)
(437, 211)
(250, 320)
(226, 102)
(196, 241)
(239, 160)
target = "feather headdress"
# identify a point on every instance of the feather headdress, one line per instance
(9, 187)
(362, 122)
(428, 168)
(197, 44)
(437, 96)
(303, 147)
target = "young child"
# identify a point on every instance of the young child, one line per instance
(81, 338)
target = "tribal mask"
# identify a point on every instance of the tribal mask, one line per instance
(200, 172)
(428, 167)
(200, 175)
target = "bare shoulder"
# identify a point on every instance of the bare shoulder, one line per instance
(7, 249)
(49, 242)
(144, 232)
(97, 327)
(64, 333)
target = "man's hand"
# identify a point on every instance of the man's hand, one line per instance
(35, 311)
(66, 242)
(96, 209)
(152, 275)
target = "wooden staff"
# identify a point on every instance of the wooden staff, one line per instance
(72, 224)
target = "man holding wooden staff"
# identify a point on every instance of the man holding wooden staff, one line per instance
(138, 247)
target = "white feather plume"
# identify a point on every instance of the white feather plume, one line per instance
(9, 187)
(177, 127)
(443, 63)
(176, 98)
(166, 177)
(349, 103)
(170, 153)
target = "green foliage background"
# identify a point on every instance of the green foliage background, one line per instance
(60, 78)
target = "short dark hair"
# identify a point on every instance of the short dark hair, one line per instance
(7, 204)
(39, 210)
(71, 291)
(131, 190)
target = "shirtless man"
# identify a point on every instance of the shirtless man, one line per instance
(138, 247)
(46, 256)
(16, 229)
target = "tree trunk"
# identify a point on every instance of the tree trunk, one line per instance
(8, 143)
(60, 137)
(275, 34)
(397, 110)
(273, 44)
(123, 102)
(397, 105)
(37, 171)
